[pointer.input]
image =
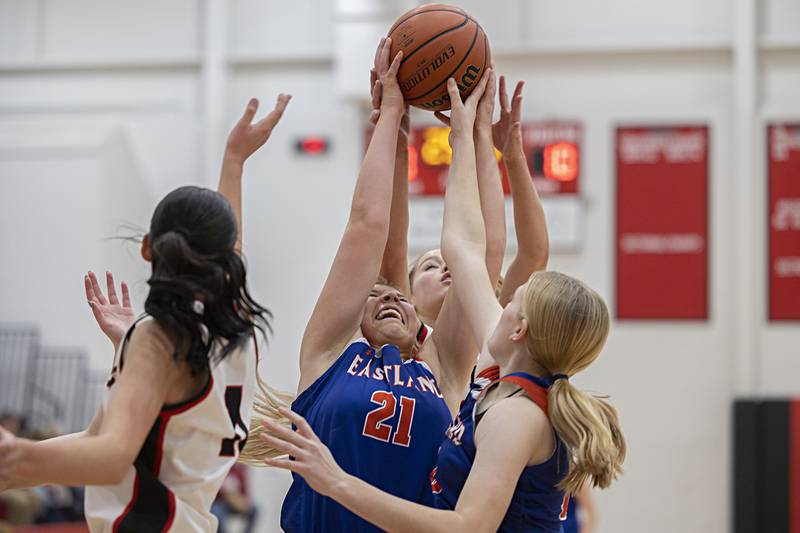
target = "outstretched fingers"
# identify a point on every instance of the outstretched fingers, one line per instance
(126, 296)
(503, 95)
(98, 292)
(249, 112)
(477, 93)
(112, 291)
(303, 427)
(396, 62)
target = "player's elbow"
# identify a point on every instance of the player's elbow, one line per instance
(456, 249)
(368, 216)
(534, 258)
(117, 464)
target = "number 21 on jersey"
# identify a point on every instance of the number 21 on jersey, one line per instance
(375, 425)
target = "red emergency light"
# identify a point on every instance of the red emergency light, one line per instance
(313, 145)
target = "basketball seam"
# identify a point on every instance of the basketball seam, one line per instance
(423, 45)
(399, 22)
(466, 55)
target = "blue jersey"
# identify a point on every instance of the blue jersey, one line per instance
(571, 522)
(536, 503)
(383, 419)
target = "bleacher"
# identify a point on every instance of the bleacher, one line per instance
(48, 386)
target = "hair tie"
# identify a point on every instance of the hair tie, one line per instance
(198, 307)
(556, 377)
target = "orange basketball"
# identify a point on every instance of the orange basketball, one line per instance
(438, 42)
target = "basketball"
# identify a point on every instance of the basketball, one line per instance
(438, 42)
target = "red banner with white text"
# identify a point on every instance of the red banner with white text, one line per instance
(662, 222)
(784, 221)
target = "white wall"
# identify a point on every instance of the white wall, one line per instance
(103, 107)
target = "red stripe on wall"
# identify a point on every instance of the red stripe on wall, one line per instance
(794, 467)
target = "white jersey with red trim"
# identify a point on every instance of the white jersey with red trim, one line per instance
(185, 457)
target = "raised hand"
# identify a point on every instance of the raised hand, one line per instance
(312, 459)
(485, 111)
(375, 92)
(464, 113)
(112, 317)
(503, 130)
(246, 136)
(385, 89)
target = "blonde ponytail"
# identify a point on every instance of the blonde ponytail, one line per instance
(265, 407)
(568, 324)
(589, 427)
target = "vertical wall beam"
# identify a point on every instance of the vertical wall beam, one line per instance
(746, 178)
(213, 86)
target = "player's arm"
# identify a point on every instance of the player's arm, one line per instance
(490, 183)
(244, 139)
(533, 245)
(105, 457)
(453, 336)
(394, 266)
(356, 266)
(463, 234)
(507, 434)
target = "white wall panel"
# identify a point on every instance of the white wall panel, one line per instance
(501, 19)
(119, 29)
(18, 30)
(581, 21)
(159, 112)
(780, 19)
(63, 195)
(269, 26)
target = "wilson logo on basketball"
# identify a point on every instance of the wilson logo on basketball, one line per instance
(464, 84)
(426, 70)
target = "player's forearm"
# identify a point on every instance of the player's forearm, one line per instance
(533, 244)
(73, 460)
(490, 188)
(392, 513)
(463, 232)
(394, 267)
(230, 186)
(373, 192)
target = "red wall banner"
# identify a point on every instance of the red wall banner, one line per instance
(662, 222)
(783, 149)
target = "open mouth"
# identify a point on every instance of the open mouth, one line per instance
(390, 313)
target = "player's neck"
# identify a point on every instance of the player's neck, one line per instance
(522, 361)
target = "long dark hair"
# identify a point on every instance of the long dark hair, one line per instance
(192, 247)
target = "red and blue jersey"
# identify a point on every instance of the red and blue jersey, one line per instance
(383, 419)
(571, 521)
(536, 505)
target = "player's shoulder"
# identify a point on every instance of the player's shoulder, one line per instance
(515, 416)
(149, 331)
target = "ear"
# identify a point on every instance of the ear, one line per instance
(145, 251)
(520, 331)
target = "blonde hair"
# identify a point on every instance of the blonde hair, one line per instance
(568, 324)
(265, 407)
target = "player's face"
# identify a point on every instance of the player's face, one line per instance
(430, 284)
(510, 329)
(389, 318)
